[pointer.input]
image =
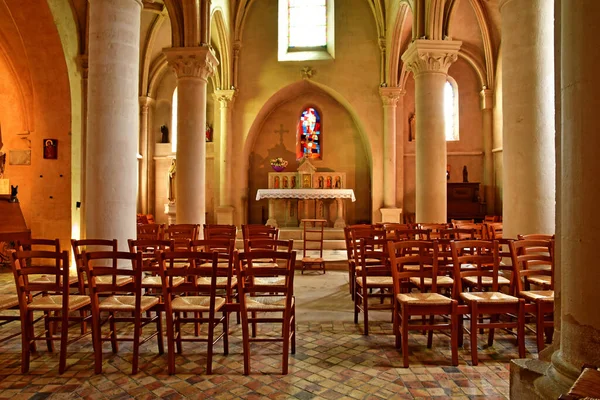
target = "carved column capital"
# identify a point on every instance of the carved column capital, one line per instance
(224, 97)
(191, 62)
(145, 102)
(487, 99)
(435, 56)
(391, 95)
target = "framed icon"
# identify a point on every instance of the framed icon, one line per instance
(51, 149)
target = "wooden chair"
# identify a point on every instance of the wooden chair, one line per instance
(410, 234)
(494, 230)
(435, 228)
(542, 280)
(151, 282)
(39, 244)
(55, 300)
(182, 234)
(278, 299)
(312, 238)
(480, 229)
(196, 295)
(505, 278)
(355, 233)
(214, 231)
(123, 302)
(373, 279)
(227, 283)
(150, 231)
(407, 303)
(257, 231)
(539, 302)
(493, 303)
(458, 233)
(536, 236)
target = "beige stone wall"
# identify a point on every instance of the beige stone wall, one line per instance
(264, 85)
(37, 54)
(342, 152)
(468, 150)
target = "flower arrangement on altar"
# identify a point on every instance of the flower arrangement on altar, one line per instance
(278, 164)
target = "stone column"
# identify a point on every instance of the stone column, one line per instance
(145, 142)
(528, 117)
(225, 210)
(83, 64)
(580, 221)
(400, 137)
(429, 61)
(487, 114)
(193, 66)
(389, 96)
(113, 119)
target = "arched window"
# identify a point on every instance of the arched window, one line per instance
(451, 110)
(308, 135)
(174, 122)
(306, 30)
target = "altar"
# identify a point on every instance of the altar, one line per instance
(306, 194)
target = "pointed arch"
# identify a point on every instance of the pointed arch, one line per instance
(221, 39)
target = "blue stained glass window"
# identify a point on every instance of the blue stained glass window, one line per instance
(309, 135)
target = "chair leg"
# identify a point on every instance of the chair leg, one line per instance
(64, 336)
(474, 319)
(178, 332)
(170, 343)
(137, 331)
(430, 332)
(225, 333)
(26, 323)
(396, 323)
(356, 309)
(493, 318)
(461, 330)
(539, 329)
(454, 331)
(404, 325)
(521, 328)
(159, 329)
(48, 327)
(210, 340)
(293, 328)
(365, 306)
(285, 331)
(97, 341)
(113, 332)
(245, 341)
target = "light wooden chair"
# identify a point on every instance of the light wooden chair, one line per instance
(196, 295)
(123, 302)
(55, 300)
(312, 238)
(260, 301)
(539, 302)
(373, 279)
(483, 256)
(150, 231)
(424, 304)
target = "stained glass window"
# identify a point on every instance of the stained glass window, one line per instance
(309, 135)
(307, 23)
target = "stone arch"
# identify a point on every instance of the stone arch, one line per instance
(283, 95)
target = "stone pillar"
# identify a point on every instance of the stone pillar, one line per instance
(429, 61)
(225, 210)
(487, 114)
(389, 96)
(193, 66)
(113, 119)
(528, 117)
(83, 64)
(400, 138)
(580, 221)
(145, 142)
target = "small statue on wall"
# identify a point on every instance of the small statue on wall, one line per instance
(13, 194)
(171, 176)
(412, 127)
(164, 134)
(465, 174)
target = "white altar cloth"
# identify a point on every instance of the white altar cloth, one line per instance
(305, 194)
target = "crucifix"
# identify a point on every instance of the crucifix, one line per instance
(281, 131)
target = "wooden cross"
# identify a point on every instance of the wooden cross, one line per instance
(281, 131)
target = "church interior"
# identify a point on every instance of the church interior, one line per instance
(392, 111)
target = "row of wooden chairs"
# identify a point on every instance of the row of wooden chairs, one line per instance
(194, 286)
(210, 231)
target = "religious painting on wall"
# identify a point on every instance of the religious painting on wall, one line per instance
(308, 136)
(51, 149)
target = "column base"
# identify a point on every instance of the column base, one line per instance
(171, 211)
(225, 215)
(392, 215)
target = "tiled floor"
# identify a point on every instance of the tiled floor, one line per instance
(333, 361)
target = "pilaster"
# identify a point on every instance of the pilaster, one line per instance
(389, 97)
(225, 212)
(487, 105)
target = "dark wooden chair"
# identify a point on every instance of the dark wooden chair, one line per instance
(424, 304)
(481, 257)
(219, 231)
(55, 300)
(267, 303)
(312, 238)
(182, 234)
(194, 300)
(122, 300)
(257, 231)
(150, 231)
